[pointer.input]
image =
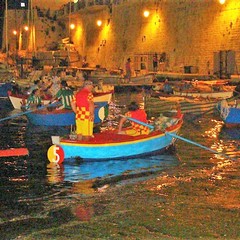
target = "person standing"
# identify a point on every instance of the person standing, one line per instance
(83, 106)
(155, 63)
(128, 70)
(139, 114)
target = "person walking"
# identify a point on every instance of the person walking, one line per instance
(83, 106)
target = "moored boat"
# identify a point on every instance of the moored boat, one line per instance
(111, 145)
(230, 114)
(108, 78)
(210, 91)
(18, 100)
(4, 88)
(63, 117)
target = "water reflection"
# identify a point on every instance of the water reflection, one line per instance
(29, 184)
(74, 171)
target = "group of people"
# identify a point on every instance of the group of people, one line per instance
(83, 105)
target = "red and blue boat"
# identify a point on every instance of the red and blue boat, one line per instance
(111, 145)
(63, 117)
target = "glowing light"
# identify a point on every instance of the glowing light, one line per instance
(26, 28)
(146, 13)
(72, 26)
(14, 32)
(222, 1)
(99, 23)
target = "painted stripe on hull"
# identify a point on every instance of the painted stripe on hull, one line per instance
(117, 150)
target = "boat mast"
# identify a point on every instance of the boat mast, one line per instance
(69, 30)
(32, 27)
(6, 30)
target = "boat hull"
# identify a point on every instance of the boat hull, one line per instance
(229, 115)
(215, 95)
(4, 88)
(110, 145)
(63, 117)
(18, 100)
(118, 79)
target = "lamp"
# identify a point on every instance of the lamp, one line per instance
(72, 26)
(146, 13)
(99, 23)
(26, 28)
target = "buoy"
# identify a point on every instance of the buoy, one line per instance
(13, 152)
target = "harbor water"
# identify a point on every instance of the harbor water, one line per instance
(30, 186)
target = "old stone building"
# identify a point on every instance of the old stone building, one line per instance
(194, 36)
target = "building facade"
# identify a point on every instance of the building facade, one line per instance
(186, 36)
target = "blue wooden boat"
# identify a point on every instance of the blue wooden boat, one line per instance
(4, 88)
(230, 114)
(63, 117)
(111, 145)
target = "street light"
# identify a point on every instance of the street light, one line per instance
(26, 28)
(146, 13)
(99, 23)
(222, 1)
(23, 36)
(16, 43)
(72, 26)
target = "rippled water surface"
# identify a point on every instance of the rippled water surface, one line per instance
(28, 183)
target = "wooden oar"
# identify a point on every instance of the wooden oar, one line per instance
(139, 122)
(199, 145)
(29, 111)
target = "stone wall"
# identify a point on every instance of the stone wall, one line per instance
(189, 32)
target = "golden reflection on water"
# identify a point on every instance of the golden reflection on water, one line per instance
(227, 149)
(55, 173)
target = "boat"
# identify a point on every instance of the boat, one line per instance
(111, 145)
(210, 90)
(102, 96)
(18, 100)
(4, 88)
(167, 104)
(141, 79)
(63, 117)
(229, 113)
(117, 79)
